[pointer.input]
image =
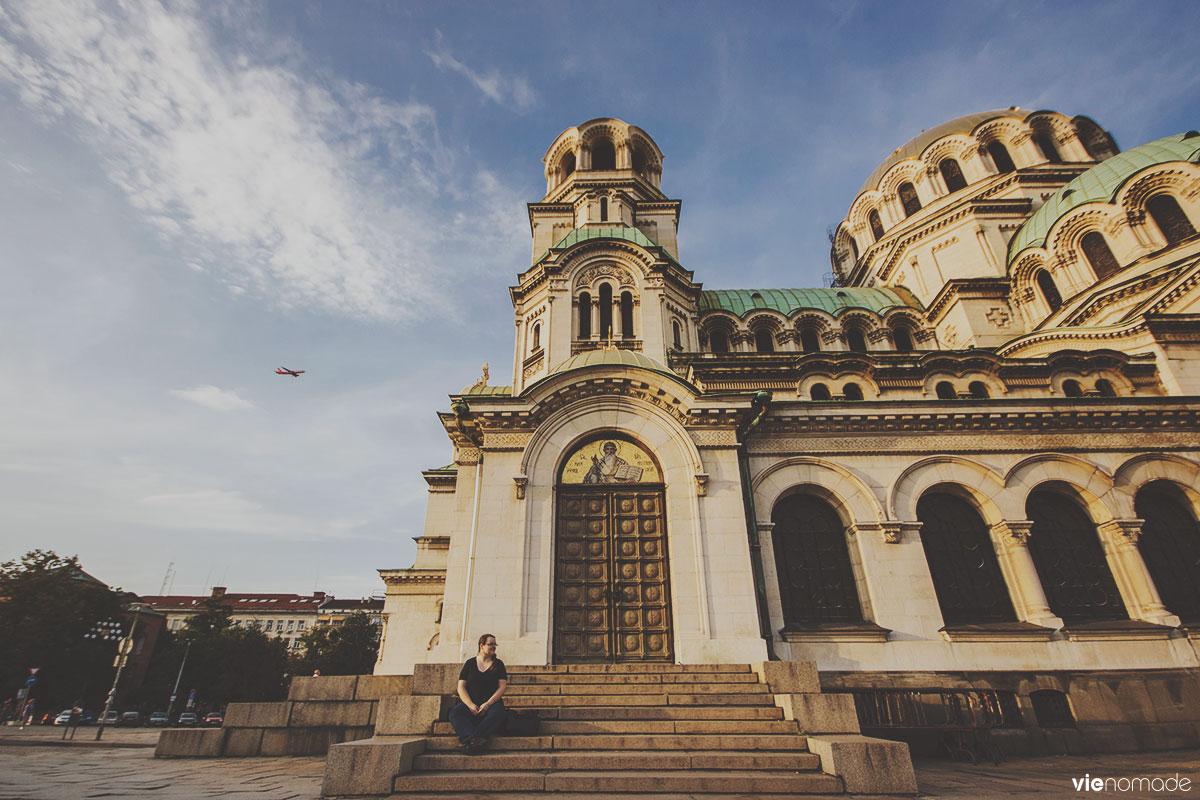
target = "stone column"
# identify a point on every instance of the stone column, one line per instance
(617, 317)
(1017, 564)
(766, 545)
(596, 332)
(1120, 538)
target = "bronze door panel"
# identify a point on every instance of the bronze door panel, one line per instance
(611, 591)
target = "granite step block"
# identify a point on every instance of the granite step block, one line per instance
(696, 781)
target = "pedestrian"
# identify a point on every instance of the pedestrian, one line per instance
(480, 711)
(316, 673)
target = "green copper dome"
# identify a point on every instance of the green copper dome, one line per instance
(788, 301)
(1101, 184)
(625, 358)
(622, 233)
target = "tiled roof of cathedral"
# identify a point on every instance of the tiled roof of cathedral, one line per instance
(584, 234)
(788, 301)
(915, 146)
(1101, 183)
(488, 391)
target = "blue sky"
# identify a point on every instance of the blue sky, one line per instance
(192, 194)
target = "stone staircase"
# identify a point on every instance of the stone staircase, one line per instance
(640, 730)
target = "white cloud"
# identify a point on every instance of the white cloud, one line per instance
(312, 193)
(500, 89)
(218, 510)
(213, 397)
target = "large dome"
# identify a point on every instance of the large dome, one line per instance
(915, 146)
(1101, 183)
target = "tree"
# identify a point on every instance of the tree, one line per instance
(348, 649)
(227, 663)
(48, 605)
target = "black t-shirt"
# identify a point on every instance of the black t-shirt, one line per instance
(482, 685)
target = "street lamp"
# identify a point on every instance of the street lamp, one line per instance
(178, 678)
(123, 651)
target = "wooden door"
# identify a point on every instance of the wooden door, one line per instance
(611, 596)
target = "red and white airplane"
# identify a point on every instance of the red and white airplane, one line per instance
(295, 373)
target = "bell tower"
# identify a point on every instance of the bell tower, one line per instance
(605, 269)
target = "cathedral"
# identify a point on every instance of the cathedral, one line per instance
(971, 463)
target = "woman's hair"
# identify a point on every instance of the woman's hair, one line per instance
(483, 639)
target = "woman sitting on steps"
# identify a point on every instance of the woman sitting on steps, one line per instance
(480, 711)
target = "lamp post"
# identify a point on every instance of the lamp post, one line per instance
(123, 651)
(178, 678)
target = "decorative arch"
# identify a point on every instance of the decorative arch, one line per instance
(1090, 482)
(1147, 467)
(910, 171)
(631, 256)
(846, 491)
(591, 275)
(1179, 179)
(982, 484)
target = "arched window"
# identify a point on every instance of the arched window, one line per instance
(604, 155)
(1072, 389)
(952, 175)
(852, 391)
(1000, 157)
(909, 199)
(537, 336)
(1169, 218)
(816, 581)
(718, 341)
(902, 338)
(819, 391)
(763, 342)
(585, 316)
(809, 341)
(853, 248)
(978, 390)
(1170, 545)
(856, 340)
(567, 165)
(1049, 290)
(1070, 561)
(962, 561)
(945, 390)
(1045, 143)
(604, 209)
(627, 315)
(606, 311)
(1105, 388)
(876, 224)
(639, 161)
(676, 335)
(1096, 251)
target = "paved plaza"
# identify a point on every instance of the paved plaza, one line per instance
(36, 765)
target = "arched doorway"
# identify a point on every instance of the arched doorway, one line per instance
(611, 593)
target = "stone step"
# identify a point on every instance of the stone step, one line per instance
(632, 678)
(627, 669)
(600, 741)
(664, 712)
(702, 726)
(641, 782)
(597, 760)
(532, 689)
(559, 700)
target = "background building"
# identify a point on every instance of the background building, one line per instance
(284, 616)
(969, 463)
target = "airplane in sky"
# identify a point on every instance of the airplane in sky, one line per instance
(295, 373)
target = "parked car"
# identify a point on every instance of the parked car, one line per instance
(213, 720)
(131, 719)
(111, 717)
(159, 719)
(188, 719)
(63, 717)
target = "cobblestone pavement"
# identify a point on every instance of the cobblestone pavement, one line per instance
(34, 765)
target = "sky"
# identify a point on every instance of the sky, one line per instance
(193, 194)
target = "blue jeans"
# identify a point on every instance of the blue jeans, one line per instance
(466, 724)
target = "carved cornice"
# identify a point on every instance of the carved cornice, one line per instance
(1123, 531)
(967, 289)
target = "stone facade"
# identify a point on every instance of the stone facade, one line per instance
(978, 450)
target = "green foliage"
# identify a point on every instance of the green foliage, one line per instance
(47, 607)
(226, 663)
(347, 649)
